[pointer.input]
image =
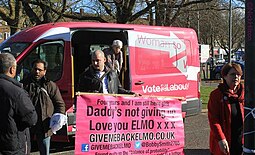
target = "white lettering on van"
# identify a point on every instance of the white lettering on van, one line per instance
(160, 43)
(171, 43)
(165, 87)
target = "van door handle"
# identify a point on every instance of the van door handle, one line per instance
(63, 91)
(139, 83)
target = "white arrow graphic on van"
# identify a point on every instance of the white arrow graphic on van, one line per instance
(171, 44)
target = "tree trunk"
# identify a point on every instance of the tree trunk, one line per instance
(160, 13)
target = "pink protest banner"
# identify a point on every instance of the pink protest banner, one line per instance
(111, 125)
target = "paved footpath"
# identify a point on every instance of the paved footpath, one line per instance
(197, 134)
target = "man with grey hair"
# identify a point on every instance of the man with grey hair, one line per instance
(17, 112)
(114, 56)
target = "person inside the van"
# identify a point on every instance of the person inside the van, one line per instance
(99, 78)
(114, 56)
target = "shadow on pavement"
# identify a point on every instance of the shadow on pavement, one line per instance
(196, 151)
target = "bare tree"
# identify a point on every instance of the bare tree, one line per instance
(20, 13)
(123, 11)
(210, 20)
(210, 14)
(40, 12)
(11, 12)
(167, 11)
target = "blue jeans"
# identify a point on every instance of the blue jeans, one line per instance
(43, 144)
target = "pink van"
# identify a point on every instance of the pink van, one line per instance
(159, 61)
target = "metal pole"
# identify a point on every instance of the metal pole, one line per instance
(230, 31)
(249, 123)
(198, 27)
(212, 50)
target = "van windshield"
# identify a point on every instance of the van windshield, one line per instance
(14, 48)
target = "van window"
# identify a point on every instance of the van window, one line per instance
(52, 53)
(14, 48)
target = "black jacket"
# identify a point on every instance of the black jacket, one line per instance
(17, 113)
(47, 100)
(89, 82)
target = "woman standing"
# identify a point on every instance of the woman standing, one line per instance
(226, 113)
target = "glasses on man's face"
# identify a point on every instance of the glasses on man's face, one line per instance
(38, 69)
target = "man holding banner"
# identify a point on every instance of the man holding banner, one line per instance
(123, 125)
(98, 78)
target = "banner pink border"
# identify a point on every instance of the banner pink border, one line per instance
(110, 125)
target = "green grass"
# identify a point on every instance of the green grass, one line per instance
(205, 93)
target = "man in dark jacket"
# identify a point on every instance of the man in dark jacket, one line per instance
(17, 112)
(47, 100)
(98, 78)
